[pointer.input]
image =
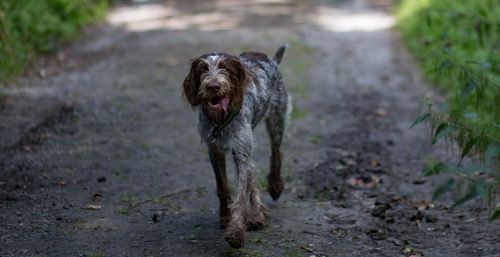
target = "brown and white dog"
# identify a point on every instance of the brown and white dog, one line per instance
(233, 94)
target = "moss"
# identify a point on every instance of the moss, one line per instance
(30, 27)
(123, 211)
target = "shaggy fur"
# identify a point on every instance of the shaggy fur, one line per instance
(218, 84)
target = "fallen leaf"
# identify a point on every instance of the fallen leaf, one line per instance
(407, 250)
(96, 197)
(307, 249)
(365, 181)
(423, 205)
(91, 207)
(381, 112)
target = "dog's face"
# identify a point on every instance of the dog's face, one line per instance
(216, 82)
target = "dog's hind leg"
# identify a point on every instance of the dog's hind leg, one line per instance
(218, 160)
(275, 125)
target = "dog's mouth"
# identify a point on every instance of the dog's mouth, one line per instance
(218, 103)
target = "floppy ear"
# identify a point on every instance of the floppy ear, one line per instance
(192, 83)
(237, 75)
(236, 70)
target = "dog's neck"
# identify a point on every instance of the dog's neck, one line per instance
(214, 133)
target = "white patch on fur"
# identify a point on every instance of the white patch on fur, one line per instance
(213, 62)
(213, 58)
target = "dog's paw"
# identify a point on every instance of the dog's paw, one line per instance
(235, 237)
(275, 186)
(256, 222)
(257, 219)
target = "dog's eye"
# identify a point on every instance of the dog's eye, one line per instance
(222, 65)
(202, 67)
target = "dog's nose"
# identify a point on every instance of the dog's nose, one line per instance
(213, 87)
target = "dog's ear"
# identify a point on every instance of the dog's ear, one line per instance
(192, 83)
(236, 70)
(237, 76)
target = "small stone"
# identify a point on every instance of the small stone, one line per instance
(101, 179)
(379, 210)
(407, 250)
(430, 218)
(419, 182)
(155, 217)
(417, 216)
(376, 234)
(96, 197)
(395, 241)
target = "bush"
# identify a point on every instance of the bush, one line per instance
(458, 44)
(28, 27)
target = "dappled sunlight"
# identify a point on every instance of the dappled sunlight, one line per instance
(345, 21)
(144, 13)
(156, 16)
(226, 15)
(218, 15)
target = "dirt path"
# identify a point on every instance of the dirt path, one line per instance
(108, 128)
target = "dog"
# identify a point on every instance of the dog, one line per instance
(232, 95)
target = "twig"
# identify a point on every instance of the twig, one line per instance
(137, 203)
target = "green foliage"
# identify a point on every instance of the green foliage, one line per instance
(28, 27)
(458, 44)
(443, 188)
(496, 213)
(434, 168)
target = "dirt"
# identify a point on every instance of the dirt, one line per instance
(99, 154)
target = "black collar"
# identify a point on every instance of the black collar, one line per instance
(218, 128)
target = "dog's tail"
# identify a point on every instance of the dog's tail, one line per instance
(279, 54)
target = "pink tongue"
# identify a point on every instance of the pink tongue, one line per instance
(224, 103)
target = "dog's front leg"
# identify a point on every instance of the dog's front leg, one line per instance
(235, 231)
(218, 160)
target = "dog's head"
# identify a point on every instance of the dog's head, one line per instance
(216, 81)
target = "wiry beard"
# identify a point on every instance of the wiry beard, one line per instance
(216, 116)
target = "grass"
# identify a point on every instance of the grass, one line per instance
(315, 138)
(123, 211)
(298, 63)
(31, 27)
(243, 252)
(292, 252)
(95, 254)
(128, 199)
(298, 113)
(458, 45)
